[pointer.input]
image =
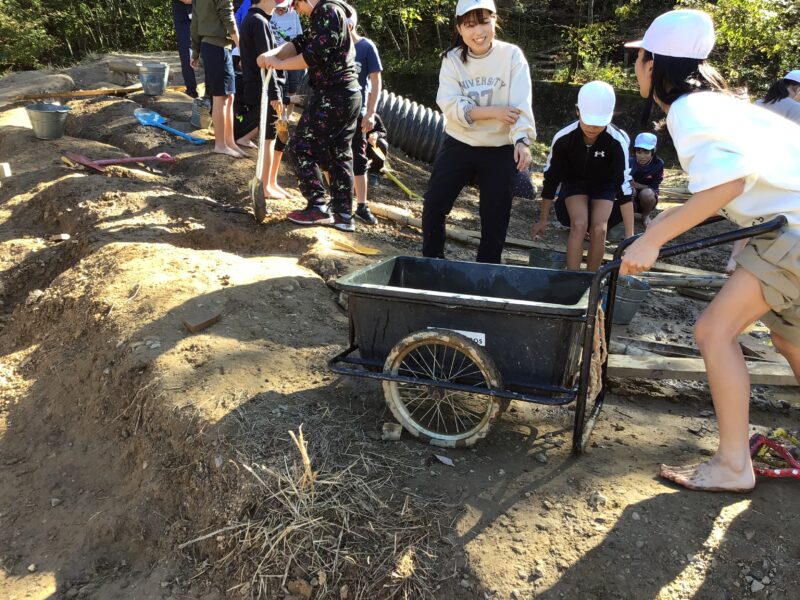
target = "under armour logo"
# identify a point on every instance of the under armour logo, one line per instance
(600, 153)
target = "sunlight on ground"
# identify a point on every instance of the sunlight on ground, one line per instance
(702, 562)
(36, 586)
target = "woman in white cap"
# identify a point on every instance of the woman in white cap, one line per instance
(485, 96)
(743, 162)
(589, 160)
(647, 173)
(783, 97)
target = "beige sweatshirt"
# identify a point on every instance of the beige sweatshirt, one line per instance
(498, 78)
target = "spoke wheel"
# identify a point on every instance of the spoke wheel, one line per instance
(447, 418)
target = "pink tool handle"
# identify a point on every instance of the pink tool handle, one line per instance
(759, 440)
(161, 157)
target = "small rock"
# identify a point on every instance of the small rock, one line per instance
(766, 580)
(516, 594)
(541, 457)
(466, 584)
(31, 568)
(596, 500)
(756, 586)
(72, 592)
(33, 296)
(516, 548)
(522, 574)
(55, 502)
(528, 494)
(635, 516)
(639, 544)
(547, 504)
(165, 584)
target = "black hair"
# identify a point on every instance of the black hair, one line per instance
(779, 90)
(674, 77)
(479, 15)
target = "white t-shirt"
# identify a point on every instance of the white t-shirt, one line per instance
(500, 77)
(719, 139)
(285, 27)
(785, 107)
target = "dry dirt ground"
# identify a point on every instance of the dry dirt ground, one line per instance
(140, 461)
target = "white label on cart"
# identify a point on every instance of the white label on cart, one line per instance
(478, 338)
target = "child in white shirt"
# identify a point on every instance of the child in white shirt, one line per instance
(743, 162)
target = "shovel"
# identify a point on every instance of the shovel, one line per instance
(148, 117)
(389, 172)
(256, 187)
(100, 165)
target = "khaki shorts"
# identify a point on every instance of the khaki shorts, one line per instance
(774, 259)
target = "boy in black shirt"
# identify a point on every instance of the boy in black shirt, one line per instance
(255, 39)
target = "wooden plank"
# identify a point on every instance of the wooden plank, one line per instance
(691, 369)
(467, 236)
(706, 295)
(684, 281)
(122, 91)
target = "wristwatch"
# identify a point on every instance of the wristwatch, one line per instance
(523, 140)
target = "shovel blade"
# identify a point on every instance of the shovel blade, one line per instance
(145, 116)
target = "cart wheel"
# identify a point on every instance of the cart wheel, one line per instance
(446, 418)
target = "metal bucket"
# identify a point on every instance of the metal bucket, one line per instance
(631, 292)
(201, 113)
(547, 259)
(154, 76)
(48, 120)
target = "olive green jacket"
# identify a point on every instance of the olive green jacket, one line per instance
(213, 23)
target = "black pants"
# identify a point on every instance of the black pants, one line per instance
(324, 137)
(182, 18)
(456, 164)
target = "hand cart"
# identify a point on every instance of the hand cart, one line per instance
(454, 342)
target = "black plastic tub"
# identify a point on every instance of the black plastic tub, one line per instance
(530, 321)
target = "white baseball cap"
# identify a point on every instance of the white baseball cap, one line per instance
(793, 76)
(284, 4)
(464, 6)
(681, 33)
(596, 102)
(646, 141)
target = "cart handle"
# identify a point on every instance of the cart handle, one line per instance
(706, 242)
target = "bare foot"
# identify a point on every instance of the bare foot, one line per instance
(279, 189)
(271, 192)
(711, 476)
(246, 144)
(228, 151)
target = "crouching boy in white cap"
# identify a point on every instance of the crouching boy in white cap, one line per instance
(589, 160)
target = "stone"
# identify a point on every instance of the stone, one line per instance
(756, 586)
(31, 568)
(541, 457)
(54, 502)
(596, 500)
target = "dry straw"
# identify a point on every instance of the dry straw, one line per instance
(343, 531)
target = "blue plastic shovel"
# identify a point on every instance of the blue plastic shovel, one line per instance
(145, 116)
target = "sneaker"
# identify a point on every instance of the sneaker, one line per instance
(344, 222)
(365, 214)
(312, 215)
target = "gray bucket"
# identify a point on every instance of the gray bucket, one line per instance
(547, 259)
(201, 113)
(48, 120)
(153, 76)
(631, 292)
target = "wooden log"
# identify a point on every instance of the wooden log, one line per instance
(692, 369)
(122, 65)
(684, 281)
(90, 93)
